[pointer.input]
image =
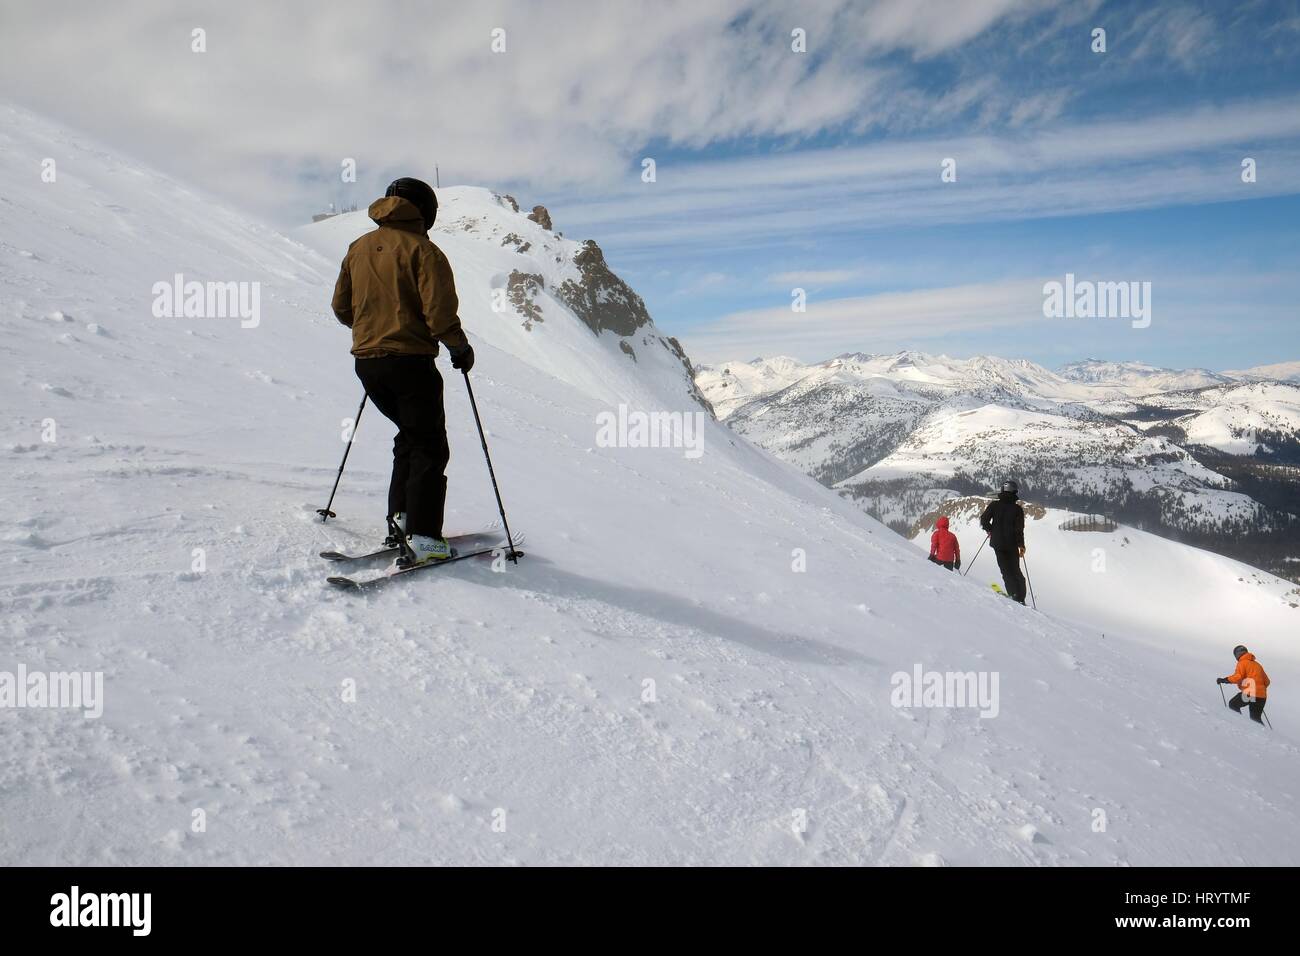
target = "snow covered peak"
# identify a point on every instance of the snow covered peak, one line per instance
(1278, 372)
(521, 287)
(1086, 381)
(777, 364)
(910, 357)
(1139, 376)
(730, 385)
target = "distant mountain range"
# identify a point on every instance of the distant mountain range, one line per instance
(1136, 375)
(1208, 457)
(1278, 372)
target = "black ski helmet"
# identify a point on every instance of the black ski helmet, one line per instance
(418, 192)
(1239, 650)
(1010, 487)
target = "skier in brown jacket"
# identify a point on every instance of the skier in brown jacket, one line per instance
(397, 294)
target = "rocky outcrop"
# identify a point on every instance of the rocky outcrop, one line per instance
(607, 304)
(601, 299)
(514, 239)
(522, 289)
(675, 347)
(540, 216)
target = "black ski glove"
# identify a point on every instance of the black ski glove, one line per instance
(1222, 680)
(462, 358)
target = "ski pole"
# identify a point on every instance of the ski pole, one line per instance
(1029, 582)
(1223, 695)
(1267, 721)
(976, 558)
(513, 555)
(325, 513)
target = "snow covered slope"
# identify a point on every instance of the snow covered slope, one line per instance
(1128, 583)
(1105, 460)
(696, 654)
(1241, 419)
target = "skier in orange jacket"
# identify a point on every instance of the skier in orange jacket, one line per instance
(1252, 681)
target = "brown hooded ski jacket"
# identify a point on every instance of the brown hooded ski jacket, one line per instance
(395, 290)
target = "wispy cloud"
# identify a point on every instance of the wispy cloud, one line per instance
(1179, 33)
(832, 326)
(816, 277)
(285, 91)
(1067, 168)
(706, 283)
(1225, 307)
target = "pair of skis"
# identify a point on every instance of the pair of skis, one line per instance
(464, 546)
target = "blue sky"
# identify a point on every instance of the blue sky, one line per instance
(775, 169)
(1154, 193)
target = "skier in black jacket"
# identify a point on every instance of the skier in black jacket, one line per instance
(1004, 522)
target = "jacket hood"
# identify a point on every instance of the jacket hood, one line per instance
(942, 524)
(396, 211)
(1008, 496)
(1248, 656)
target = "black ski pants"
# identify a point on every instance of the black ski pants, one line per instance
(1012, 579)
(407, 389)
(1256, 707)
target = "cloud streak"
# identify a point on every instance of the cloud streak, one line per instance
(1069, 168)
(286, 91)
(1189, 307)
(832, 326)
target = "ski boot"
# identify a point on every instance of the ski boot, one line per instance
(420, 549)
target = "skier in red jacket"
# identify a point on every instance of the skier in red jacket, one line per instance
(944, 548)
